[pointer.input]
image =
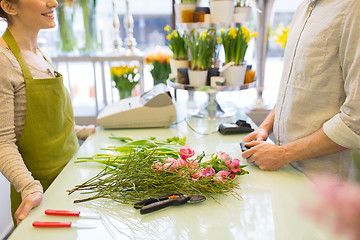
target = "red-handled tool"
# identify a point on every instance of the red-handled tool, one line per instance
(71, 213)
(38, 224)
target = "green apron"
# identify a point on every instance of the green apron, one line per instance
(48, 140)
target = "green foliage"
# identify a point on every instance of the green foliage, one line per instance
(235, 42)
(160, 72)
(189, 1)
(202, 47)
(176, 44)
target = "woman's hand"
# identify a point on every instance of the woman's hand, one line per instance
(29, 202)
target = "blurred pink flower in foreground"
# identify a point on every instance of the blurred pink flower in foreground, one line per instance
(337, 205)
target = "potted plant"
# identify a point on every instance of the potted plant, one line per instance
(188, 6)
(201, 49)
(160, 60)
(221, 11)
(179, 49)
(125, 79)
(242, 11)
(235, 42)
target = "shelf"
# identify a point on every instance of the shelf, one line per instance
(203, 25)
(209, 88)
(212, 109)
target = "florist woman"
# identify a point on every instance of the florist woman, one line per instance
(37, 136)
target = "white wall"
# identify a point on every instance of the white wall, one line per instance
(5, 212)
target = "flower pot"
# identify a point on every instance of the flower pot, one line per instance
(241, 14)
(176, 64)
(197, 77)
(212, 72)
(182, 76)
(234, 75)
(181, 7)
(221, 11)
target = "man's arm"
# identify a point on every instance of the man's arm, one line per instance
(271, 157)
(263, 131)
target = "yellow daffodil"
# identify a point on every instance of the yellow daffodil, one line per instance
(245, 31)
(232, 32)
(281, 35)
(167, 28)
(254, 35)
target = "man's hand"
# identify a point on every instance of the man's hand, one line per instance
(265, 155)
(29, 202)
(259, 134)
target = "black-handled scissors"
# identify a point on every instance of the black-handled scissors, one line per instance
(153, 204)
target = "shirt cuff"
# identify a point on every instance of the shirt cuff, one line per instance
(35, 186)
(340, 133)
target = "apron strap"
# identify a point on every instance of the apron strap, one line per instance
(49, 62)
(10, 41)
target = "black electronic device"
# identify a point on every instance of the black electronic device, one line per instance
(243, 147)
(239, 127)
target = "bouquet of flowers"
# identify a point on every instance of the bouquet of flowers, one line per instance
(202, 47)
(125, 79)
(176, 44)
(139, 169)
(281, 35)
(160, 60)
(235, 42)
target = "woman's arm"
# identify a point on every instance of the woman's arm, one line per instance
(11, 163)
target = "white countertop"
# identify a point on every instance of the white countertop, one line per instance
(270, 207)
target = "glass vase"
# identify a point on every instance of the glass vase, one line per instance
(65, 19)
(89, 17)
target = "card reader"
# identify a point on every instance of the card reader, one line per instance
(239, 127)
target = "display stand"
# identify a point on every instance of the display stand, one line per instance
(211, 109)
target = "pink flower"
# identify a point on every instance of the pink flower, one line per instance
(208, 172)
(192, 165)
(234, 165)
(195, 176)
(179, 163)
(168, 163)
(186, 152)
(222, 156)
(336, 204)
(172, 163)
(157, 166)
(221, 176)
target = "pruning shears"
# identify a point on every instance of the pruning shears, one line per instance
(172, 199)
